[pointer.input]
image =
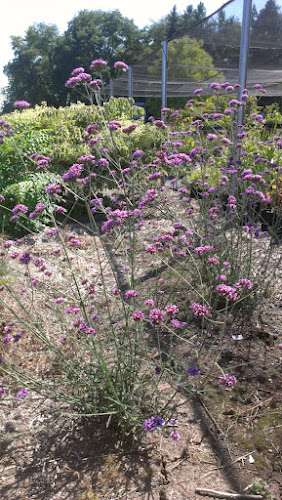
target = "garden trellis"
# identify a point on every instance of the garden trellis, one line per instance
(241, 41)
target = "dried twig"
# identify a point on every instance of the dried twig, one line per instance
(238, 459)
(164, 471)
(218, 429)
(222, 494)
(174, 466)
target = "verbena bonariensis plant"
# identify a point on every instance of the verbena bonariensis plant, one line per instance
(86, 311)
(80, 317)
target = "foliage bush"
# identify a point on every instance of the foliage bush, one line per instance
(122, 109)
(55, 132)
(15, 163)
(28, 192)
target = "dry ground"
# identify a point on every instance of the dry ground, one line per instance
(226, 442)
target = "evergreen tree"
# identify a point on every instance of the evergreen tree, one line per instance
(254, 16)
(267, 27)
(172, 24)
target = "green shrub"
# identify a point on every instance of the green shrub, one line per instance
(122, 109)
(55, 132)
(28, 192)
(145, 137)
(15, 163)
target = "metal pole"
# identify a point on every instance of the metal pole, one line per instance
(130, 81)
(164, 74)
(244, 52)
(111, 88)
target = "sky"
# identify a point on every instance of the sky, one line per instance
(18, 15)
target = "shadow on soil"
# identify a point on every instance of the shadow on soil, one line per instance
(83, 462)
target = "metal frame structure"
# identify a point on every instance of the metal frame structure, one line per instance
(162, 87)
(130, 81)
(164, 73)
(243, 63)
(244, 52)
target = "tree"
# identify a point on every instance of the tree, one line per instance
(254, 16)
(30, 73)
(199, 13)
(155, 34)
(266, 38)
(268, 24)
(172, 24)
(93, 34)
(43, 59)
(186, 60)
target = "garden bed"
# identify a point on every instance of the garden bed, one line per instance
(228, 438)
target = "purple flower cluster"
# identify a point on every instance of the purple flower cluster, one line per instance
(153, 423)
(18, 211)
(39, 208)
(156, 316)
(60, 210)
(51, 232)
(232, 202)
(21, 104)
(193, 371)
(129, 294)
(212, 137)
(228, 380)
(84, 328)
(79, 79)
(177, 324)
(91, 159)
(96, 84)
(74, 242)
(200, 310)
(137, 154)
(171, 309)
(103, 163)
(5, 130)
(118, 217)
(138, 315)
(22, 393)
(73, 172)
(229, 292)
(198, 91)
(98, 64)
(42, 161)
(114, 125)
(176, 159)
(120, 66)
(53, 188)
(204, 249)
(160, 124)
(244, 283)
(148, 198)
(130, 128)
(260, 88)
(248, 175)
(25, 258)
(77, 71)
(91, 129)
(213, 260)
(72, 309)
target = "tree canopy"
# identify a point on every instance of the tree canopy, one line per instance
(186, 60)
(43, 58)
